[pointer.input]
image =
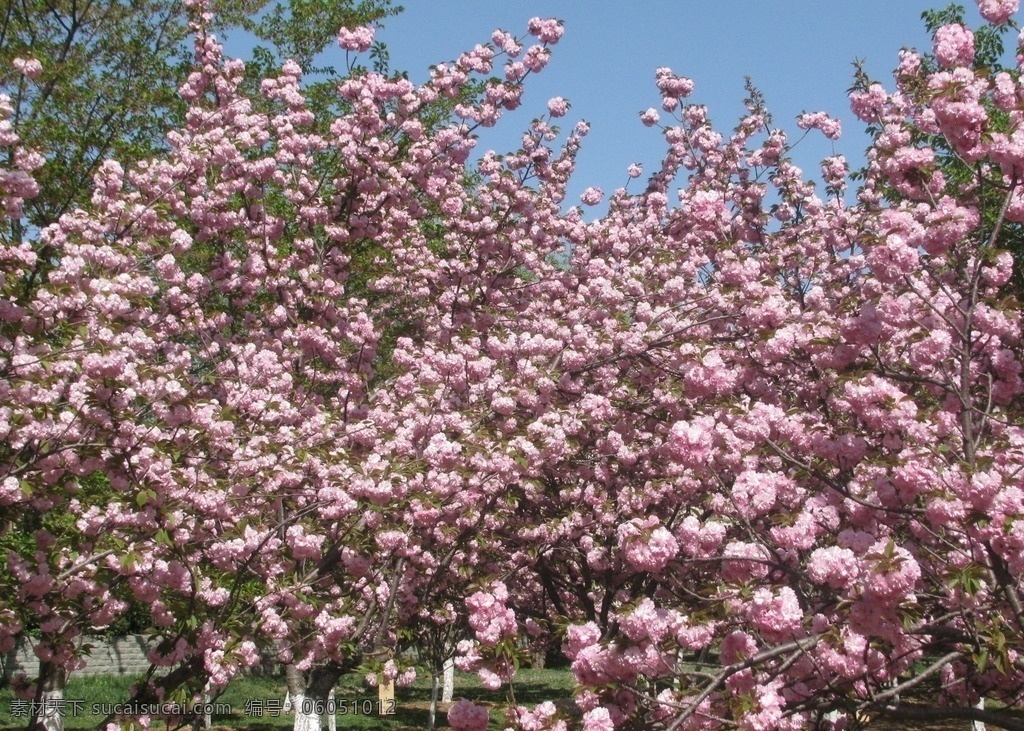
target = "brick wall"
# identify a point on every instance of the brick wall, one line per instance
(109, 656)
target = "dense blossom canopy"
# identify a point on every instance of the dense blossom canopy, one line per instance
(748, 452)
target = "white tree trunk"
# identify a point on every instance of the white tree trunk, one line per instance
(306, 717)
(206, 721)
(449, 680)
(50, 712)
(978, 725)
(51, 709)
(313, 696)
(434, 689)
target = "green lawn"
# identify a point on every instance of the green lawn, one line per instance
(254, 702)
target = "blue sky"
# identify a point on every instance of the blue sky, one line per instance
(798, 53)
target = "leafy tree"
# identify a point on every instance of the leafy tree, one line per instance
(111, 70)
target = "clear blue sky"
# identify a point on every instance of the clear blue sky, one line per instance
(798, 52)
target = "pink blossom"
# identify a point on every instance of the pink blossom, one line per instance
(28, 67)
(910, 62)
(598, 719)
(894, 574)
(356, 39)
(506, 42)
(755, 493)
(895, 258)
(650, 117)
(489, 679)
(536, 58)
(489, 617)
(647, 545)
(592, 196)
(690, 442)
(744, 561)
(302, 544)
(558, 106)
(541, 718)
(868, 104)
(829, 126)
(998, 12)
(738, 646)
(954, 45)
(834, 170)
(466, 716)
(776, 614)
(647, 621)
(834, 566)
(672, 86)
(547, 30)
(578, 637)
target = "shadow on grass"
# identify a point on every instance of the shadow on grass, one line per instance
(255, 702)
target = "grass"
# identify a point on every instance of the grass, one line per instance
(253, 702)
(250, 703)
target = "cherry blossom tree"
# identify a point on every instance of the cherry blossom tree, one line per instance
(319, 389)
(207, 412)
(776, 477)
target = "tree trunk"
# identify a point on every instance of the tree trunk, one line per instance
(434, 687)
(448, 673)
(205, 721)
(296, 700)
(48, 714)
(295, 683)
(449, 680)
(979, 725)
(153, 690)
(316, 697)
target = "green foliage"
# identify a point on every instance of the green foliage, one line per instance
(22, 531)
(111, 73)
(990, 52)
(303, 29)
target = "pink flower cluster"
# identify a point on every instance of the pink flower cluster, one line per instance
(28, 67)
(673, 88)
(356, 39)
(954, 45)
(467, 716)
(829, 126)
(646, 544)
(547, 30)
(998, 12)
(558, 106)
(489, 617)
(592, 196)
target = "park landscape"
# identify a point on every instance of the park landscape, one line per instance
(297, 372)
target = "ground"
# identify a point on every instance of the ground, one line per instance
(253, 703)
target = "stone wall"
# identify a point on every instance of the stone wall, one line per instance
(109, 656)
